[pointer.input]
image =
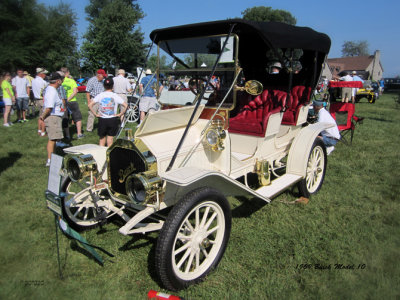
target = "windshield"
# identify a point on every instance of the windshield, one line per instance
(185, 67)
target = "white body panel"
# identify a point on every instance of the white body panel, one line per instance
(98, 153)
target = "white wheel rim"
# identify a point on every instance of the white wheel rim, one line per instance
(81, 209)
(315, 169)
(198, 241)
(132, 114)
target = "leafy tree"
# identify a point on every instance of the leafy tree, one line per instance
(61, 37)
(152, 62)
(264, 14)
(34, 35)
(112, 41)
(351, 48)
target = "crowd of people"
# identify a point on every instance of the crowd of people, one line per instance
(53, 98)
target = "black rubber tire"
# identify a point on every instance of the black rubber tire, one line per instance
(302, 185)
(164, 260)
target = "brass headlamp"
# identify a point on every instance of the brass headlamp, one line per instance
(80, 166)
(142, 187)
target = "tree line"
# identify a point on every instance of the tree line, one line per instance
(34, 35)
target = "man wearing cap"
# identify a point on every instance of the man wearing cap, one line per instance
(54, 110)
(147, 88)
(276, 68)
(21, 88)
(107, 113)
(38, 86)
(93, 88)
(331, 135)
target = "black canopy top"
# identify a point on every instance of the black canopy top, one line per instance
(275, 34)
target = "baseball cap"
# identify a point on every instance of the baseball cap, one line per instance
(354, 72)
(41, 70)
(55, 76)
(277, 65)
(101, 72)
(148, 72)
(318, 103)
(62, 74)
(109, 81)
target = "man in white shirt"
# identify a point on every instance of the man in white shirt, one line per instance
(38, 86)
(122, 86)
(354, 90)
(21, 88)
(54, 109)
(331, 135)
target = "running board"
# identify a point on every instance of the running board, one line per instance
(278, 185)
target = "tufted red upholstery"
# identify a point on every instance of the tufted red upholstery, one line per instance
(253, 117)
(299, 96)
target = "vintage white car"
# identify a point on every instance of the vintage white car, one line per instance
(233, 121)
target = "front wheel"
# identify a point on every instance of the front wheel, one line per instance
(315, 172)
(79, 209)
(193, 238)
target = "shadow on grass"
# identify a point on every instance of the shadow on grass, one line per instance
(138, 241)
(247, 207)
(143, 241)
(76, 247)
(8, 161)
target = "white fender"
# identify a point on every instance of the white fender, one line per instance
(181, 181)
(301, 147)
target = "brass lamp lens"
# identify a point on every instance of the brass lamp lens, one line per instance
(74, 170)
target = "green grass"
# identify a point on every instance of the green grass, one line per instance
(353, 220)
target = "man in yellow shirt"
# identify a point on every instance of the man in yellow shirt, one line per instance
(71, 88)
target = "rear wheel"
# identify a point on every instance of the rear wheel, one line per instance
(132, 113)
(315, 172)
(193, 238)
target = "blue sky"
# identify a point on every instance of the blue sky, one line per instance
(350, 20)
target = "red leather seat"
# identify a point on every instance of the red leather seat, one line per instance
(299, 96)
(253, 117)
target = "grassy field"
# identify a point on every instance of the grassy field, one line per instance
(344, 244)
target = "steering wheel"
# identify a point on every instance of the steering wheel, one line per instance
(194, 82)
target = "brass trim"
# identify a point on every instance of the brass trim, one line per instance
(262, 170)
(144, 153)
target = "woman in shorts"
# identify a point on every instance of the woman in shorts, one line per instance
(109, 120)
(8, 97)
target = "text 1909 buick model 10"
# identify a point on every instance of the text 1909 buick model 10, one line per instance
(233, 118)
